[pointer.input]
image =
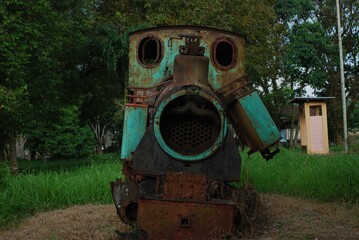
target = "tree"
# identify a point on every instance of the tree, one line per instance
(255, 19)
(36, 72)
(312, 54)
(66, 138)
(103, 80)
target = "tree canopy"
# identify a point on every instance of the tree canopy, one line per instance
(64, 64)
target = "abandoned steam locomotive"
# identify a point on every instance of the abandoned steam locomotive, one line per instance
(189, 104)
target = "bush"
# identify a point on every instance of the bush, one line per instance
(27, 193)
(66, 138)
(4, 176)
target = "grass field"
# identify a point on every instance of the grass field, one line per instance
(333, 177)
(44, 186)
(51, 185)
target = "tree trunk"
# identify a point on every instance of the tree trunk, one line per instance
(100, 131)
(20, 146)
(297, 129)
(12, 155)
(291, 139)
(2, 147)
(2, 151)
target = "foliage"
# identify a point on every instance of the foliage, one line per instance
(311, 57)
(353, 119)
(324, 177)
(74, 53)
(66, 138)
(57, 189)
(4, 176)
(36, 71)
(308, 53)
(65, 183)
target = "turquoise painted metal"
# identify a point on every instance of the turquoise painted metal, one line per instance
(202, 155)
(148, 76)
(248, 116)
(188, 105)
(134, 127)
(259, 119)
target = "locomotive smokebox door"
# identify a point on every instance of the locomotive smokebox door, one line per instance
(189, 124)
(188, 102)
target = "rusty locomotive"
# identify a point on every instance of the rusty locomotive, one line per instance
(188, 106)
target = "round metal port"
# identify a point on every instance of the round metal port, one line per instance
(150, 51)
(190, 126)
(224, 54)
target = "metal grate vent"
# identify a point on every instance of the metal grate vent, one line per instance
(190, 125)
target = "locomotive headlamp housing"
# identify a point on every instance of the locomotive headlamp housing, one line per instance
(189, 124)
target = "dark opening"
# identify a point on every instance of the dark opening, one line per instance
(185, 222)
(190, 125)
(224, 54)
(131, 211)
(315, 110)
(150, 51)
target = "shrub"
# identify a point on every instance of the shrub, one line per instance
(67, 138)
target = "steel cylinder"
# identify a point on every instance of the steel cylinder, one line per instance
(190, 124)
(251, 120)
(190, 70)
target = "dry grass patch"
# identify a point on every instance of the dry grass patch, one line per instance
(75, 223)
(286, 218)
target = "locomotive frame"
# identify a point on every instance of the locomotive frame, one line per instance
(189, 104)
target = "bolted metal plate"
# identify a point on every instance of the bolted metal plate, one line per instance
(185, 186)
(125, 195)
(184, 220)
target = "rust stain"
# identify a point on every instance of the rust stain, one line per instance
(190, 81)
(184, 220)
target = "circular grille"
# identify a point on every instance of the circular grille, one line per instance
(190, 125)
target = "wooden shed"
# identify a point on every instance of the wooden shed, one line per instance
(313, 123)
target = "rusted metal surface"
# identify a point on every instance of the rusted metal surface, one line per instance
(125, 196)
(191, 70)
(171, 38)
(179, 153)
(184, 220)
(190, 124)
(150, 159)
(185, 186)
(192, 46)
(145, 95)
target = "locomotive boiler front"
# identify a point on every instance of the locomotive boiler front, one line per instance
(187, 106)
(189, 123)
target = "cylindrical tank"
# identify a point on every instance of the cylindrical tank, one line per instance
(251, 120)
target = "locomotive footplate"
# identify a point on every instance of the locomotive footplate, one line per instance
(167, 219)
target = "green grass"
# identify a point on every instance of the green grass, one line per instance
(48, 187)
(26, 166)
(59, 184)
(333, 177)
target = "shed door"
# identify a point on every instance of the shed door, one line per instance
(316, 123)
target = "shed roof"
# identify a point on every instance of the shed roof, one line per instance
(310, 99)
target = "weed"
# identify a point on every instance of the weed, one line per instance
(42, 190)
(332, 177)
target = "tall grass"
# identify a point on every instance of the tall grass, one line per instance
(26, 193)
(51, 185)
(333, 177)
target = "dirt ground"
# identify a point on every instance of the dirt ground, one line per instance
(287, 218)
